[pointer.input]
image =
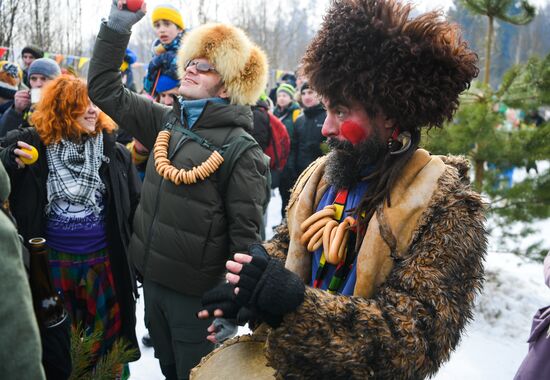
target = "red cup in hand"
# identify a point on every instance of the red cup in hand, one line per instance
(134, 5)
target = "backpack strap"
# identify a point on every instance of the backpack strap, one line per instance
(235, 147)
(231, 150)
(173, 124)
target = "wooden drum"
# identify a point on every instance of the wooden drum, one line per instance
(239, 358)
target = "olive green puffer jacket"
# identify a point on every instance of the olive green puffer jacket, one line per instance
(183, 234)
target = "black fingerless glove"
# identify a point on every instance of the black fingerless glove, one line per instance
(266, 286)
(223, 297)
(11, 163)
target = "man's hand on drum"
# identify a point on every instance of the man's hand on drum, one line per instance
(257, 287)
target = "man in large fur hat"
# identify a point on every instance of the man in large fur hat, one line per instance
(384, 243)
(206, 180)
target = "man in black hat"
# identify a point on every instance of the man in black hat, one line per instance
(383, 244)
(28, 55)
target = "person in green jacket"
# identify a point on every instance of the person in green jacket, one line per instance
(20, 349)
(206, 183)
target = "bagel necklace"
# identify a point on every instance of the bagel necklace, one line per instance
(321, 229)
(165, 169)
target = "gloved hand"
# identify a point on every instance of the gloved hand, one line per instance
(122, 20)
(222, 297)
(267, 287)
(225, 329)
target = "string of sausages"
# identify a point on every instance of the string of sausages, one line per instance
(166, 170)
(321, 229)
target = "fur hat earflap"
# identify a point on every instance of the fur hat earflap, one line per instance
(241, 64)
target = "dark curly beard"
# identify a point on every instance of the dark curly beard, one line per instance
(346, 163)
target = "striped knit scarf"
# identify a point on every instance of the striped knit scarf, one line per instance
(74, 171)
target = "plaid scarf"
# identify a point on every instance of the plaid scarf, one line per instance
(74, 171)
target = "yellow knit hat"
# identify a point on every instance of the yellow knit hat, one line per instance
(167, 12)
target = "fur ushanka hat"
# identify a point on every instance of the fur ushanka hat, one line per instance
(241, 64)
(410, 69)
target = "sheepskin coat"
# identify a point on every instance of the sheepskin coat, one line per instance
(419, 268)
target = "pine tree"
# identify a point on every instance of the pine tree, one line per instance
(108, 367)
(477, 132)
(498, 9)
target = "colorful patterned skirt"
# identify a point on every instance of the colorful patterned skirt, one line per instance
(86, 284)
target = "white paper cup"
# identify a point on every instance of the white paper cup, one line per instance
(35, 95)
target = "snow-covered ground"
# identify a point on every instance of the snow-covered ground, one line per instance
(494, 344)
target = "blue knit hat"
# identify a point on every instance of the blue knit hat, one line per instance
(45, 66)
(9, 79)
(166, 83)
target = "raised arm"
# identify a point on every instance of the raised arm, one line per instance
(138, 115)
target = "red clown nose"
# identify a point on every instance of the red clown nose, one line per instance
(352, 132)
(134, 5)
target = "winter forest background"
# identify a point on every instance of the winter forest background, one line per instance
(502, 126)
(282, 27)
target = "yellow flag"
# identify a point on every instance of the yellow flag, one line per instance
(82, 62)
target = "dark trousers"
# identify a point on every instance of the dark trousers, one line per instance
(179, 338)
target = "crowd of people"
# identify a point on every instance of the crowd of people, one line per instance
(372, 272)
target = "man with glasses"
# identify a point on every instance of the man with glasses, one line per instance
(205, 184)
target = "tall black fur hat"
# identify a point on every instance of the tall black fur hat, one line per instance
(410, 69)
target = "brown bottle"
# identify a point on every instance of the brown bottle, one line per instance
(47, 303)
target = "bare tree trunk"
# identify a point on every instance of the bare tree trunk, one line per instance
(37, 24)
(490, 29)
(201, 12)
(519, 46)
(216, 8)
(9, 10)
(47, 25)
(479, 174)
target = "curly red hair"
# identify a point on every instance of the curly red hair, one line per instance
(64, 99)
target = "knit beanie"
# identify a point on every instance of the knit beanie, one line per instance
(9, 79)
(45, 66)
(34, 50)
(289, 78)
(166, 83)
(288, 88)
(167, 12)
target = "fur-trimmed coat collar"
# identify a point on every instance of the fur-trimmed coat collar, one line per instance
(390, 231)
(408, 311)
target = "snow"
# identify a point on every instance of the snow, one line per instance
(493, 345)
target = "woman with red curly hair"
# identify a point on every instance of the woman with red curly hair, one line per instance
(80, 195)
